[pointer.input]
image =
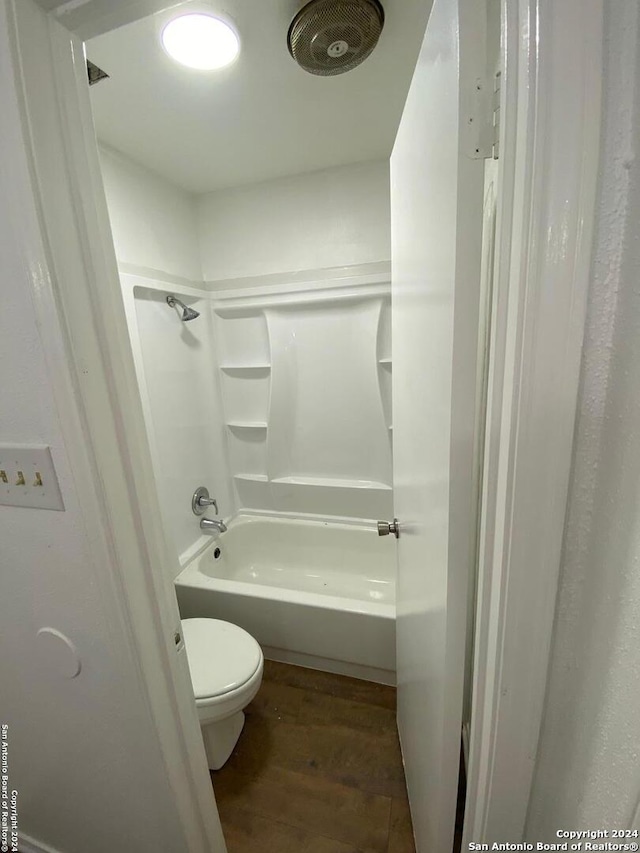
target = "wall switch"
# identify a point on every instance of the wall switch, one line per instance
(28, 478)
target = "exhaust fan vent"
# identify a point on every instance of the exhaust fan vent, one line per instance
(329, 37)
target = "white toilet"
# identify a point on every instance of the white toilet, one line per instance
(226, 666)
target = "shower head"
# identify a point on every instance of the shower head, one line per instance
(187, 313)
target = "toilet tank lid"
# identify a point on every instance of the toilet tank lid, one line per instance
(221, 656)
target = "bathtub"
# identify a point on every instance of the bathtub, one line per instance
(314, 593)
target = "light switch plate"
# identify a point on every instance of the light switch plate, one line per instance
(28, 478)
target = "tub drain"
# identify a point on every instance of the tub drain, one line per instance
(217, 554)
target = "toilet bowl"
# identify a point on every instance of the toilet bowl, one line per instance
(226, 665)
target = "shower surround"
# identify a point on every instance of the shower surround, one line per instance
(277, 398)
(298, 410)
(305, 387)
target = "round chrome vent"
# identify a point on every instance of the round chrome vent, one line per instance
(330, 37)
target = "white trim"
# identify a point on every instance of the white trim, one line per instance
(302, 277)
(27, 844)
(313, 281)
(549, 148)
(286, 282)
(77, 299)
(230, 305)
(366, 523)
(160, 276)
(129, 281)
(311, 287)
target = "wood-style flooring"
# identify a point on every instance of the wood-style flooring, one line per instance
(317, 769)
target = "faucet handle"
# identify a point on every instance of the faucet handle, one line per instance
(201, 500)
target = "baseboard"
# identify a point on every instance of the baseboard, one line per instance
(354, 670)
(26, 844)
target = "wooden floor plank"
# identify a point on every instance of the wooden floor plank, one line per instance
(328, 682)
(316, 804)
(317, 768)
(369, 761)
(401, 830)
(277, 701)
(245, 832)
(326, 710)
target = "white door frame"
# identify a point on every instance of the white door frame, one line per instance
(549, 149)
(77, 299)
(549, 146)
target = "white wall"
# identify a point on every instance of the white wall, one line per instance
(332, 218)
(153, 222)
(587, 774)
(71, 742)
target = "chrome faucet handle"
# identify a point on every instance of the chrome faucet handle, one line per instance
(201, 500)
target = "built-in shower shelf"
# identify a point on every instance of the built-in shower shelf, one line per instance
(245, 368)
(260, 425)
(385, 362)
(323, 482)
(252, 478)
(332, 483)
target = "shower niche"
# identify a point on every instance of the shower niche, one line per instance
(305, 385)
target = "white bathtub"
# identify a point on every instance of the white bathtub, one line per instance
(320, 594)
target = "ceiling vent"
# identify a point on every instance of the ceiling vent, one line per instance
(329, 37)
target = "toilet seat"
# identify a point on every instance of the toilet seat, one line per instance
(224, 660)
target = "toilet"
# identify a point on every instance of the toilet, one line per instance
(226, 666)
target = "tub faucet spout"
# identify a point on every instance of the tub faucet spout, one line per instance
(213, 525)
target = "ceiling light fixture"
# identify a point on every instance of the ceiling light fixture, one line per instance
(201, 41)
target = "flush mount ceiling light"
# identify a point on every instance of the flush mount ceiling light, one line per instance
(200, 41)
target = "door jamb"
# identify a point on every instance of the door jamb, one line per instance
(549, 145)
(80, 313)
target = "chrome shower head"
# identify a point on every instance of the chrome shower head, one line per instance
(187, 313)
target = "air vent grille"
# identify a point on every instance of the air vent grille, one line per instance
(329, 37)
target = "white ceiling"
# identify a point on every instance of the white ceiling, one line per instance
(261, 118)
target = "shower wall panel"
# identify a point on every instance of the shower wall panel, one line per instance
(155, 237)
(173, 361)
(308, 406)
(326, 412)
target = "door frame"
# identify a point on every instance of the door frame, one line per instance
(550, 108)
(549, 151)
(80, 313)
